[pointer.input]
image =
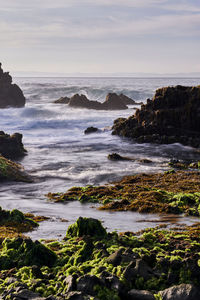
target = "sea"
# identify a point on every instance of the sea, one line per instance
(60, 155)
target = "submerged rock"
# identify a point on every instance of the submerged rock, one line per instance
(173, 115)
(91, 130)
(10, 94)
(11, 146)
(12, 171)
(117, 157)
(86, 226)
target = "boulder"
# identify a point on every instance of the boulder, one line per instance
(87, 284)
(86, 226)
(11, 145)
(62, 100)
(181, 292)
(10, 94)
(91, 130)
(173, 115)
(12, 171)
(140, 295)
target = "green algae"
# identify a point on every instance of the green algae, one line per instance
(171, 192)
(85, 252)
(86, 226)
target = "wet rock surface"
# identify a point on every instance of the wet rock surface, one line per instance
(10, 94)
(171, 116)
(11, 146)
(91, 130)
(11, 171)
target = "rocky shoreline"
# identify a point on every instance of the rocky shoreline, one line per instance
(172, 116)
(90, 263)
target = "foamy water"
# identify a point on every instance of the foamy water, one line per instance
(61, 156)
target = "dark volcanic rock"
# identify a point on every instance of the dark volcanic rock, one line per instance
(112, 102)
(172, 116)
(11, 145)
(83, 102)
(91, 130)
(62, 100)
(10, 94)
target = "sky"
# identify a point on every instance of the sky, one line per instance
(100, 36)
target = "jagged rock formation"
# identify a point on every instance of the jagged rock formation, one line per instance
(62, 100)
(11, 146)
(10, 94)
(173, 115)
(112, 102)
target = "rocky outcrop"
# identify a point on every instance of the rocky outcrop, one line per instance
(62, 100)
(91, 130)
(83, 102)
(11, 145)
(173, 115)
(10, 94)
(112, 102)
(12, 171)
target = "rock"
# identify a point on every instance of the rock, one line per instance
(87, 284)
(91, 130)
(26, 294)
(11, 146)
(128, 101)
(115, 258)
(62, 100)
(25, 252)
(116, 157)
(12, 171)
(143, 270)
(171, 116)
(114, 102)
(70, 281)
(76, 296)
(86, 226)
(83, 102)
(181, 292)
(140, 295)
(10, 94)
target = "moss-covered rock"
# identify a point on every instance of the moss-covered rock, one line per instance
(10, 170)
(19, 252)
(13, 223)
(86, 226)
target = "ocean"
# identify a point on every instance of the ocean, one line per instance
(60, 155)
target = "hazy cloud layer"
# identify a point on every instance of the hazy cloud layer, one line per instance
(33, 33)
